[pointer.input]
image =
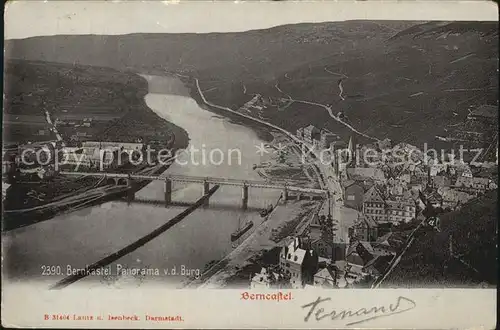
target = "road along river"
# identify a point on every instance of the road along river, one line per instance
(44, 252)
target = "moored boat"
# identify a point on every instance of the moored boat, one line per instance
(266, 211)
(242, 230)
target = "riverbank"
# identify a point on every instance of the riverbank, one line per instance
(285, 163)
(261, 131)
(115, 100)
(69, 195)
(269, 232)
(237, 266)
(101, 230)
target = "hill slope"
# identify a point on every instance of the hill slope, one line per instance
(474, 234)
(115, 99)
(402, 80)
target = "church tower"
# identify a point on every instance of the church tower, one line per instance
(351, 147)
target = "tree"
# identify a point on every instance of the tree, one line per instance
(282, 157)
(327, 234)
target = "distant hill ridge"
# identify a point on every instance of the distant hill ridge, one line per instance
(401, 80)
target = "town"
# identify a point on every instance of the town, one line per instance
(391, 201)
(283, 165)
(388, 199)
(338, 179)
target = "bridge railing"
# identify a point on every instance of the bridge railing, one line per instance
(196, 179)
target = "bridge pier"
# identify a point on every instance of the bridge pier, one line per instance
(206, 189)
(284, 195)
(168, 191)
(130, 191)
(289, 192)
(244, 197)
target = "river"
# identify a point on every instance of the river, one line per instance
(77, 239)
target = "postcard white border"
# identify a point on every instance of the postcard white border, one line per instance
(428, 308)
(25, 305)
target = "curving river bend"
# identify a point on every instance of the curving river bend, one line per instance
(84, 237)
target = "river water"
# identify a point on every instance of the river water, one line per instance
(81, 238)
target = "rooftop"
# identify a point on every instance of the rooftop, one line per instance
(294, 253)
(452, 195)
(353, 248)
(355, 259)
(326, 273)
(264, 276)
(366, 172)
(441, 181)
(468, 180)
(373, 194)
(380, 262)
(344, 265)
(311, 128)
(400, 203)
(366, 219)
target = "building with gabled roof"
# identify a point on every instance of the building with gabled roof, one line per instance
(390, 239)
(348, 273)
(312, 135)
(322, 248)
(300, 133)
(354, 258)
(432, 197)
(453, 198)
(297, 263)
(464, 170)
(359, 253)
(419, 177)
(472, 184)
(374, 205)
(436, 169)
(441, 181)
(354, 192)
(265, 279)
(325, 278)
(364, 229)
(5, 189)
(403, 210)
(334, 250)
(366, 173)
(378, 265)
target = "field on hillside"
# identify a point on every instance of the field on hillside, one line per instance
(113, 99)
(407, 81)
(409, 88)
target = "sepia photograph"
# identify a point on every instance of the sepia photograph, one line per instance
(173, 146)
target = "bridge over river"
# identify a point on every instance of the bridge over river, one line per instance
(288, 191)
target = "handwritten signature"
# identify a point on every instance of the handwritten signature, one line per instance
(403, 304)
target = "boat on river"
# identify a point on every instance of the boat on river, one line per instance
(241, 230)
(266, 211)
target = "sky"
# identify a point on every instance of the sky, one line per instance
(35, 18)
